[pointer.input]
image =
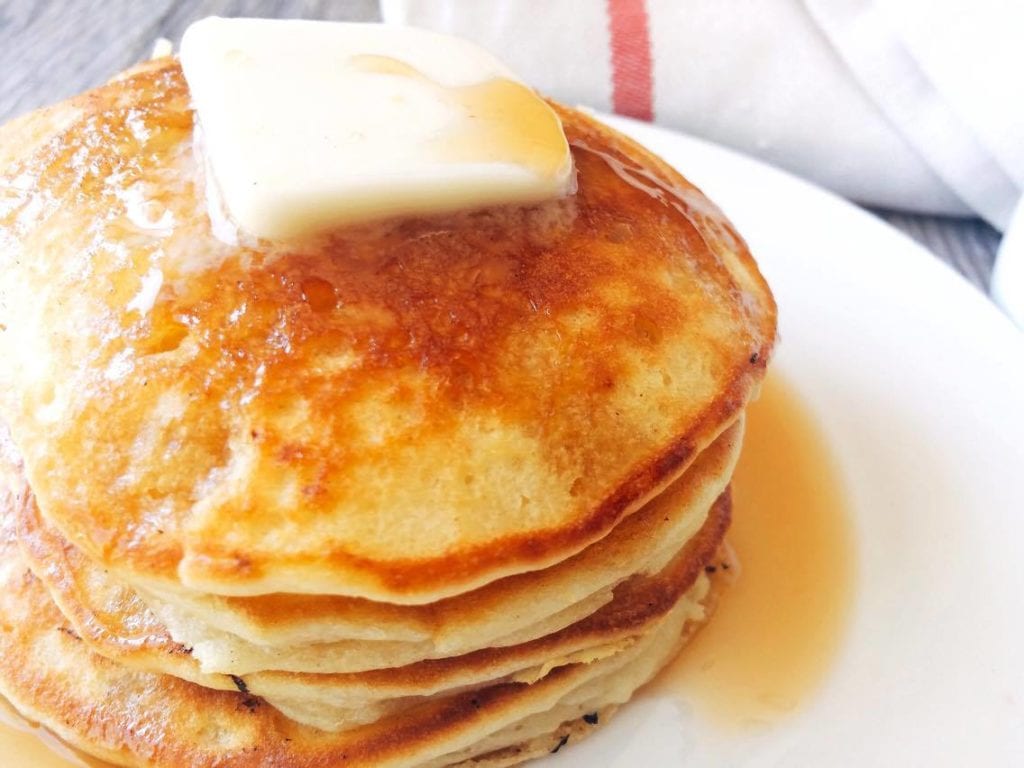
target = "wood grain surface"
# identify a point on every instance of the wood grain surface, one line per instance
(52, 49)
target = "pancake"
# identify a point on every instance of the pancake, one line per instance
(402, 413)
(137, 718)
(115, 624)
(95, 603)
(567, 591)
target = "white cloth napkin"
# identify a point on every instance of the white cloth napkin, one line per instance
(910, 104)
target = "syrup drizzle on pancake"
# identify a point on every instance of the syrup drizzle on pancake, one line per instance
(531, 139)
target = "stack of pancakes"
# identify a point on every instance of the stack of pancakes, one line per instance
(429, 492)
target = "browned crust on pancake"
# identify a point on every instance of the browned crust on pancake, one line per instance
(537, 550)
(491, 596)
(638, 603)
(541, 548)
(158, 96)
(214, 563)
(137, 718)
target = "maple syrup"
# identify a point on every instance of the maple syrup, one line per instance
(780, 621)
(319, 294)
(507, 122)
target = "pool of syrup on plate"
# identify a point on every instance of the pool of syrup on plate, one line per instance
(779, 621)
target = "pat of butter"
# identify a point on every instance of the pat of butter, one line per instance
(309, 125)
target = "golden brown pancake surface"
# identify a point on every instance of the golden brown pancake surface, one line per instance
(124, 631)
(138, 718)
(401, 412)
(676, 524)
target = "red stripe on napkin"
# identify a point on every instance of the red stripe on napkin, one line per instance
(632, 81)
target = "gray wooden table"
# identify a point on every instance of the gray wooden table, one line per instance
(52, 49)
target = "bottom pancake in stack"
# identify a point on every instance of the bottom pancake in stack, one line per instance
(89, 657)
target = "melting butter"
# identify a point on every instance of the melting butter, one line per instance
(307, 126)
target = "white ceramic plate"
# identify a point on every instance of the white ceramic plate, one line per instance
(918, 384)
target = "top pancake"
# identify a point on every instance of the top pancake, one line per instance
(400, 412)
